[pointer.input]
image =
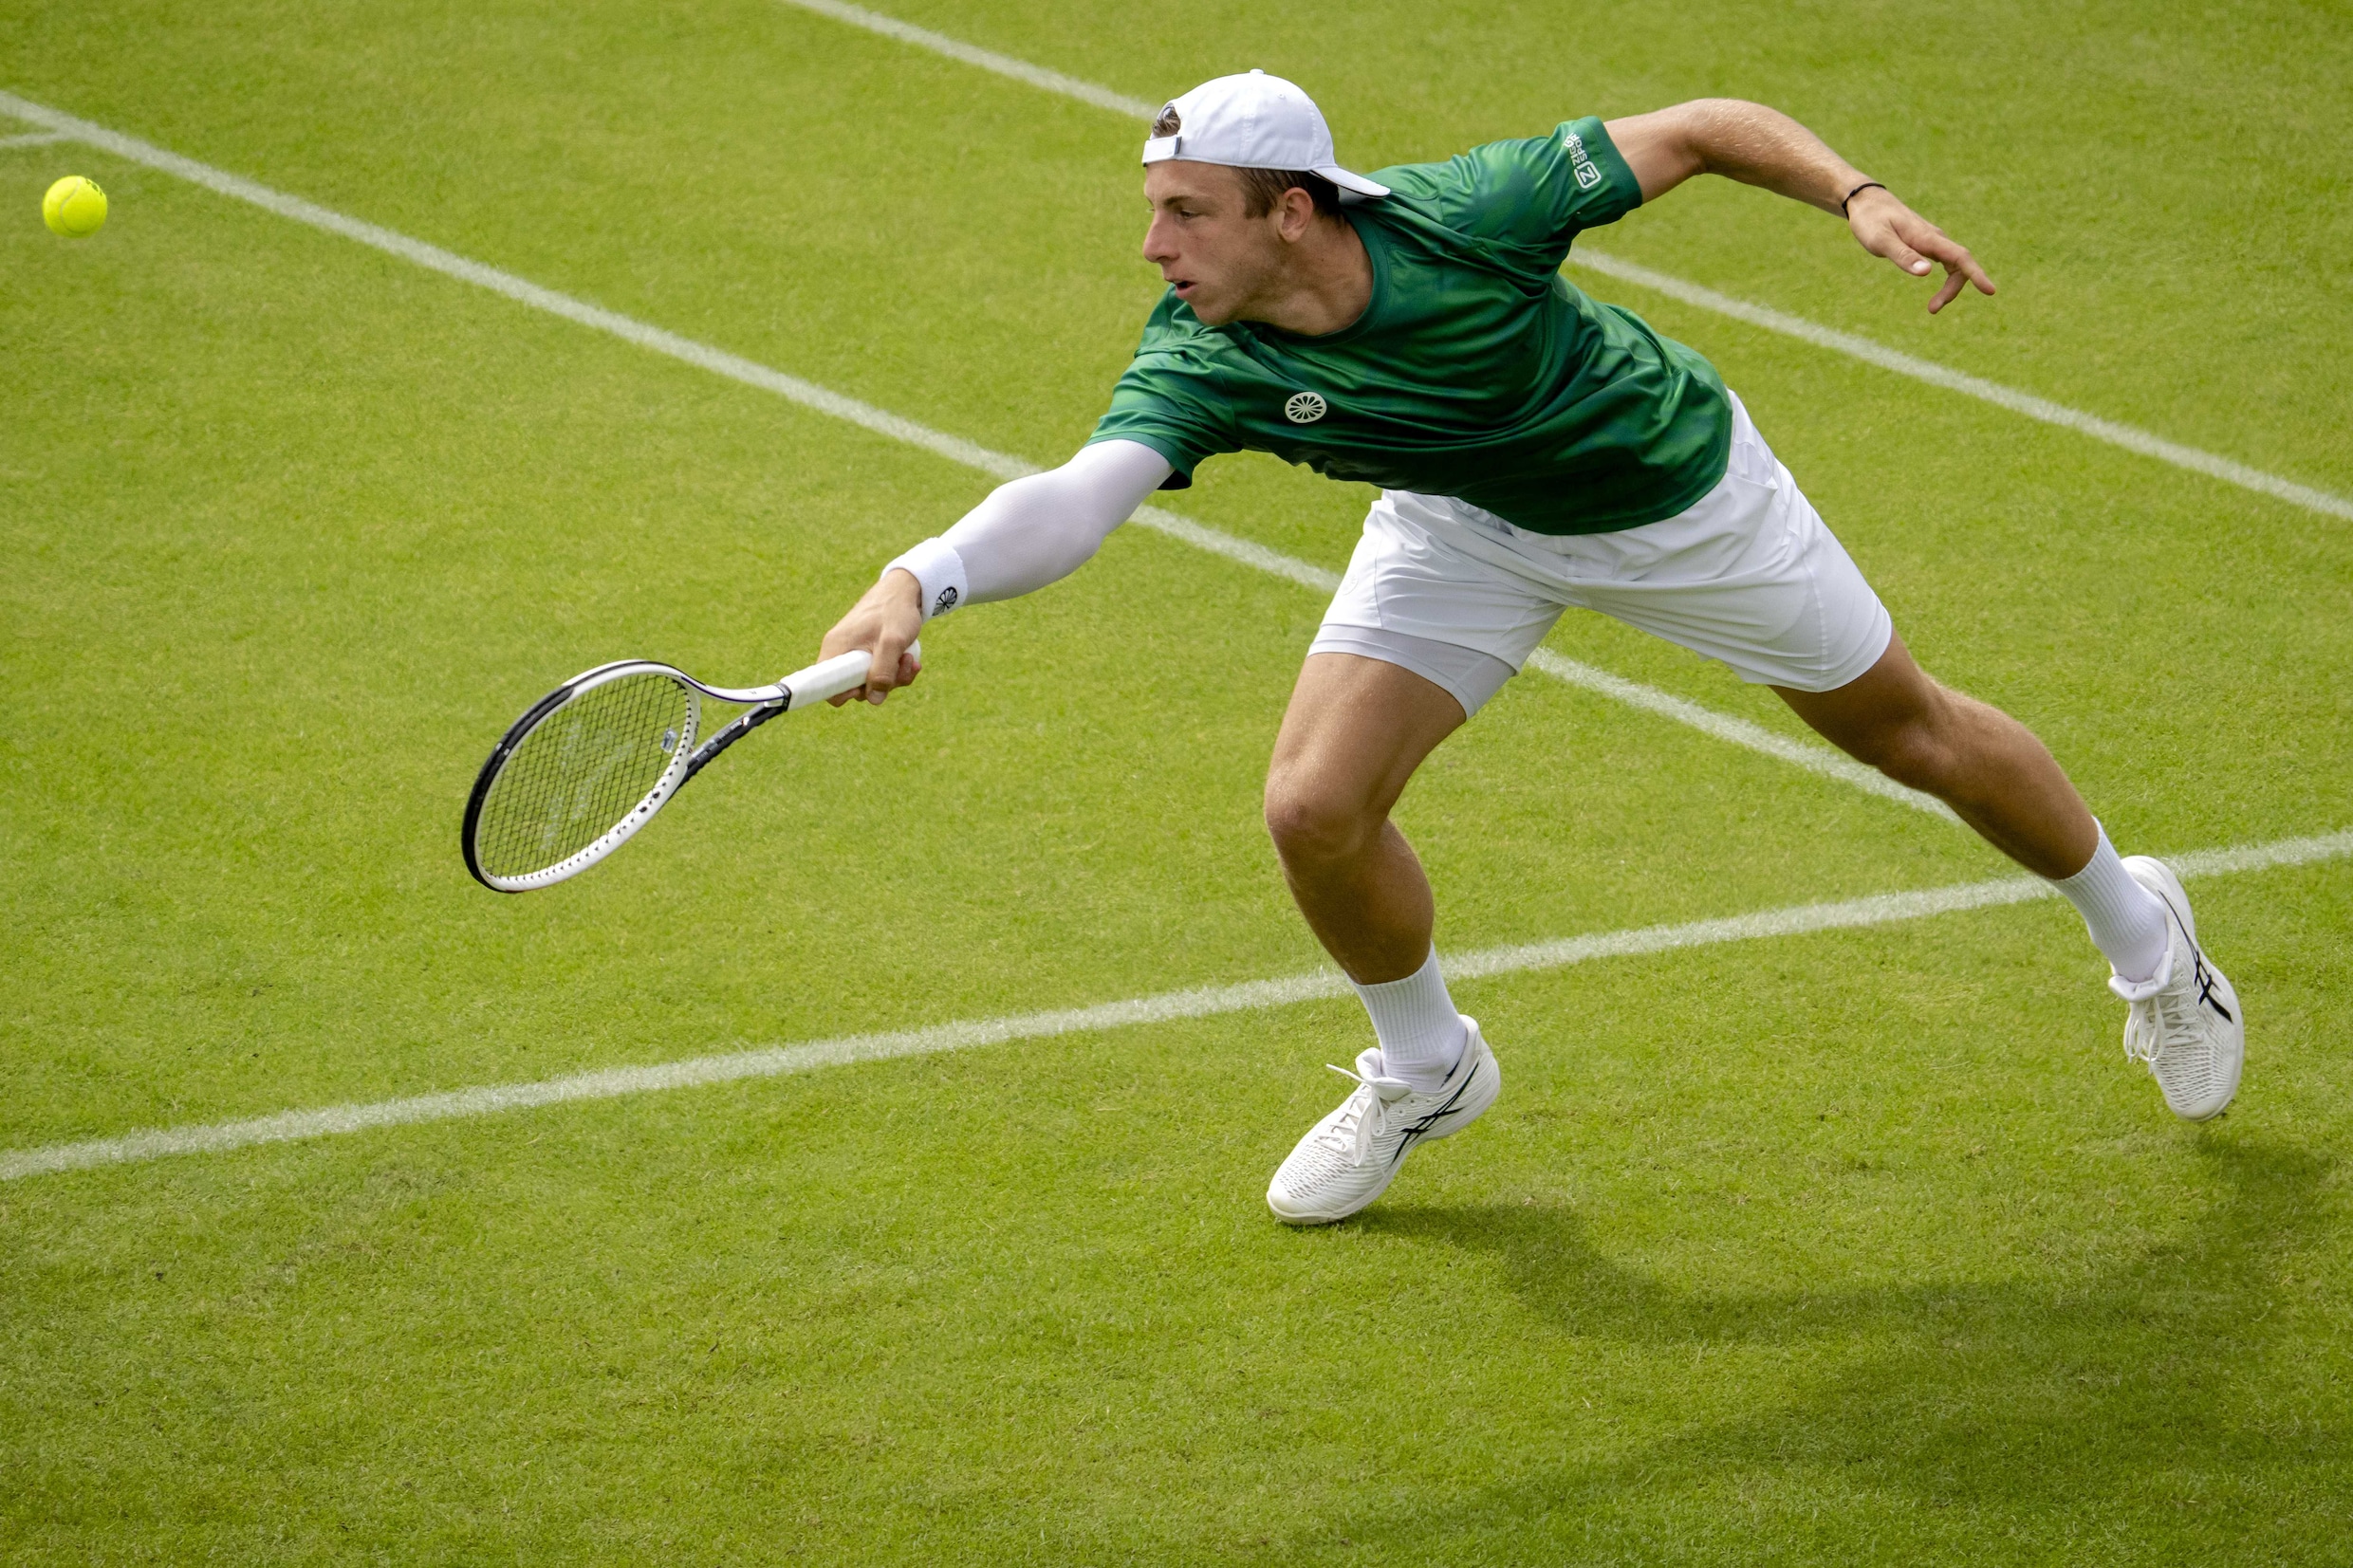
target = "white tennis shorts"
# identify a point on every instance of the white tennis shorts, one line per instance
(1749, 575)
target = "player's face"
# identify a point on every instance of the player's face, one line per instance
(1209, 249)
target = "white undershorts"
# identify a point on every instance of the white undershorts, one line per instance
(1749, 575)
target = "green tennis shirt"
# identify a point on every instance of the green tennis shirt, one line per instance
(1478, 371)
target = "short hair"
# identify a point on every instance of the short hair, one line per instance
(1263, 188)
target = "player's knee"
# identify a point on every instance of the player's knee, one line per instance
(1313, 827)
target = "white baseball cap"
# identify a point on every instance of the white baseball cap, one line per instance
(1254, 122)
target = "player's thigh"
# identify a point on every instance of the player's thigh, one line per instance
(1355, 731)
(1436, 586)
(1755, 579)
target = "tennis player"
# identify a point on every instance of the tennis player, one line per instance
(1536, 449)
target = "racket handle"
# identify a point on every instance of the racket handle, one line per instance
(833, 676)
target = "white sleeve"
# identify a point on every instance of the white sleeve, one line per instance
(1035, 531)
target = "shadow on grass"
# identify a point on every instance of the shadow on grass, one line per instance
(2138, 1410)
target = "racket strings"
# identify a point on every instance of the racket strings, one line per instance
(581, 771)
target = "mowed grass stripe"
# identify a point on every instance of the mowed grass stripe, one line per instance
(2130, 437)
(1202, 1001)
(1816, 758)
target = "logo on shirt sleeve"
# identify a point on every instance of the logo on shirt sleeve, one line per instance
(1580, 162)
(1304, 408)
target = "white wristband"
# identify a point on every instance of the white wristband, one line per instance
(939, 570)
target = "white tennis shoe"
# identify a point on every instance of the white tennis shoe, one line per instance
(1349, 1159)
(2185, 1021)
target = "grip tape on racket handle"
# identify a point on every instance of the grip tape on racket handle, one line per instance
(833, 676)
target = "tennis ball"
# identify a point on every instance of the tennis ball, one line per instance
(75, 207)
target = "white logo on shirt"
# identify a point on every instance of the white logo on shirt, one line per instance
(1588, 172)
(1304, 408)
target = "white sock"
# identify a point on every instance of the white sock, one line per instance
(2127, 920)
(1422, 1035)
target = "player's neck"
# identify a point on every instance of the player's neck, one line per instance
(1326, 285)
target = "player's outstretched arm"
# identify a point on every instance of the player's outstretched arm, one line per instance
(1027, 533)
(1764, 147)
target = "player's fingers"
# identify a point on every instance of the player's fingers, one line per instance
(856, 693)
(1953, 282)
(837, 643)
(890, 654)
(1896, 251)
(1958, 260)
(851, 632)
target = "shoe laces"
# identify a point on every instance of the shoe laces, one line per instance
(2171, 1018)
(1362, 1116)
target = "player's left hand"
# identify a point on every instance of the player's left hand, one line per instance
(1885, 227)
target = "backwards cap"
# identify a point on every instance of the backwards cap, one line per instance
(1254, 122)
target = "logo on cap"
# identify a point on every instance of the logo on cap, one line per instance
(1304, 408)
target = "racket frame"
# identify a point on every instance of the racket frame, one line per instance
(828, 678)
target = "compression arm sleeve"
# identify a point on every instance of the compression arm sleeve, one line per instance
(1035, 531)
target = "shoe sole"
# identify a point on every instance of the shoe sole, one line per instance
(1370, 1198)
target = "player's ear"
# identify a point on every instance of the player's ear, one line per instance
(1295, 212)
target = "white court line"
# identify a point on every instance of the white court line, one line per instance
(957, 449)
(987, 60)
(1739, 731)
(1814, 759)
(2130, 437)
(33, 139)
(1206, 1002)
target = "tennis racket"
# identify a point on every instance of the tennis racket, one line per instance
(576, 776)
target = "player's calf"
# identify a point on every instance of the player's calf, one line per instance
(1989, 769)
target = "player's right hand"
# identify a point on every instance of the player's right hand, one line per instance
(884, 623)
(1885, 227)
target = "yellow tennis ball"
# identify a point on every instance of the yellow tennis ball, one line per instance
(75, 207)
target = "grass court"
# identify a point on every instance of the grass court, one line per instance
(1859, 1246)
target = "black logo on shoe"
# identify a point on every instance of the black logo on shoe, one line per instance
(2204, 978)
(1421, 1129)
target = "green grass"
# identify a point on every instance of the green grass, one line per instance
(1858, 1246)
